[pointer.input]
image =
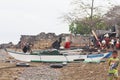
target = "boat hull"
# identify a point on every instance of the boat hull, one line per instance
(56, 58)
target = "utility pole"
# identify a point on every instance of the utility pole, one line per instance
(92, 8)
(91, 16)
(92, 26)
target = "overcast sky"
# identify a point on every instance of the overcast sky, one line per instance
(30, 17)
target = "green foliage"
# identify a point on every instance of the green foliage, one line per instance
(83, 29)
(101, 25)
(80, 28)
(72, 28)
(86, 25)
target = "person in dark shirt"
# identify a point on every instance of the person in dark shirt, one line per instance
(27, 48)
(57, 43)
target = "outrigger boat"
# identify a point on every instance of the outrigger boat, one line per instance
(27, 57)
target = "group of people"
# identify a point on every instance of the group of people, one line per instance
(106, 42)
(112, 42)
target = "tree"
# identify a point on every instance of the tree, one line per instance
(112, 17)
(86, 15)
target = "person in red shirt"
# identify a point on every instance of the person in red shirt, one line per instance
(67, 45)
(117, 43)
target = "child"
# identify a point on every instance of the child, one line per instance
(113, 66)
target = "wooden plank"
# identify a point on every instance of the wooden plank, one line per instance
(93, 32)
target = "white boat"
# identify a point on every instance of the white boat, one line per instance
(26, 57)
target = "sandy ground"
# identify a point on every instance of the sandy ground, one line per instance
(84, 71)
(9, 71)
(73, 71)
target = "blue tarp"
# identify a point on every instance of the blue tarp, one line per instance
(95, 55)
(99, 55)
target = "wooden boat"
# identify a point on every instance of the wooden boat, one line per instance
(26, 57)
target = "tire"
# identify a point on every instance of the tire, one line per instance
(23, 65)
(56, 65)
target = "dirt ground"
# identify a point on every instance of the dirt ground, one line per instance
(73, 71)
(9, 71)
(84, 71)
